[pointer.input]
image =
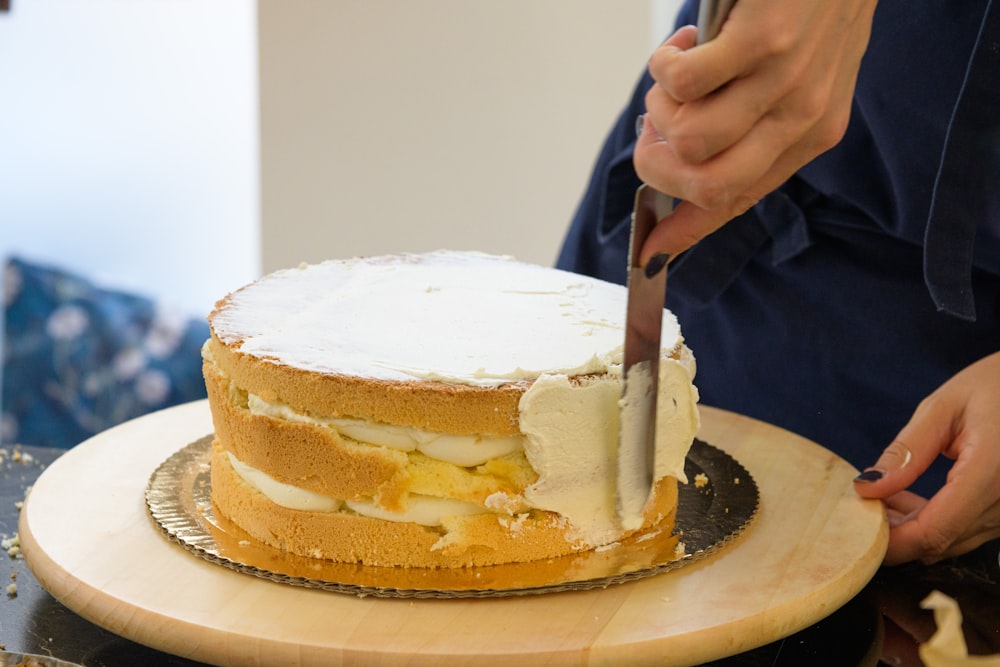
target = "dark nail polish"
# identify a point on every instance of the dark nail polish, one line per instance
(656, 264)
(871, 475)
(639, 121)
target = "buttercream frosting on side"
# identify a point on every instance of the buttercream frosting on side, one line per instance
(572, 443)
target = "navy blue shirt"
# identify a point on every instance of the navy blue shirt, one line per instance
(873, 275)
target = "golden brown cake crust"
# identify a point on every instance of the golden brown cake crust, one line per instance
(312, 458)
(434, 406)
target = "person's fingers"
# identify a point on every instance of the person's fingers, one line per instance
(681, 40)
(679, 70)
(957, 519)
(959, 421)
(699, 130)
(744, 47)
(899, 465)
(731, 182)
(717, 184)
(928, 433)
(689, 223)
(903, 505)
(687, 107)
(770, 68)
(918, 528)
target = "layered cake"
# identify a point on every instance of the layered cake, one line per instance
(432, 410)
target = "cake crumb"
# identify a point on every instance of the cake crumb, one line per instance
(736, 480)
(700, 480)
(12, 590)
(502, 502)
(12, 545)
(514, 525)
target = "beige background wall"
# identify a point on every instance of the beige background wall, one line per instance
(393, 126)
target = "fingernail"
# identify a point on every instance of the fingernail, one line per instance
(640, 121)
(870, 475)
(656, 264)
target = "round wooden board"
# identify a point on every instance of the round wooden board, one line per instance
(86, 535)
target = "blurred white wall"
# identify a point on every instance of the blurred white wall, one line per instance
(392, 126)
(130, 148)
(129, 142)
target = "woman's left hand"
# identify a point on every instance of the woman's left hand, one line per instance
(960, 420)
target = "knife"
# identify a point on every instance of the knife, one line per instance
(647, 288)
(711, 15)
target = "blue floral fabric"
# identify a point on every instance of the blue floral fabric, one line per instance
(78, 359)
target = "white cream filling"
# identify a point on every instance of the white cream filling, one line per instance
(424, 510)
(462, 450)
(283, 494)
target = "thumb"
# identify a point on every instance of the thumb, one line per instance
(908, 456)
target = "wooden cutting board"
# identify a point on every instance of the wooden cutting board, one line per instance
(86, 535)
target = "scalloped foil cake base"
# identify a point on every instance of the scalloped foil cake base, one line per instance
(715, 507)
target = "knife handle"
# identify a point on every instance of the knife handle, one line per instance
(711, 15)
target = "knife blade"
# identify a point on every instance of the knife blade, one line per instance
(647, 288)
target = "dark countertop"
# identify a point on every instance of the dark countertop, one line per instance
(884, 620)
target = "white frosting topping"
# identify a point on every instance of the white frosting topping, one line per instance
(462, 450)
(467, 318)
